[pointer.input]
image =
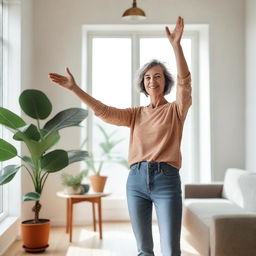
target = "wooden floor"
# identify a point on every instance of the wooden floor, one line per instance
(118, 240)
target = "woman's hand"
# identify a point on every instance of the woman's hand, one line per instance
(175, 36)
(67, 82)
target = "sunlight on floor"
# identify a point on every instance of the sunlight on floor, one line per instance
(78, 251)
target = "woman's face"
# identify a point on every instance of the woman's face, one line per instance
(154, 81)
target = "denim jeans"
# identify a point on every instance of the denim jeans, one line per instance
(155, 183)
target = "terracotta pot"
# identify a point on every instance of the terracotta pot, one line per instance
(98, 182)
(35, 235)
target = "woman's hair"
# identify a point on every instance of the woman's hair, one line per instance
(169, 81)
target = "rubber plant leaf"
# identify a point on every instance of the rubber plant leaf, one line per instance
(54, 161)
(31, 196)
(66, 118)
(30, 131)
(10, 119)
(76, 156)
(35, 104)
(7, 150)
(8, 173)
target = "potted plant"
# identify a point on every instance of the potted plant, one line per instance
(73, 183)
(95, 165)
(40, 162)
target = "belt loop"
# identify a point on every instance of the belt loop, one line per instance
(139, 165)
(158, 166)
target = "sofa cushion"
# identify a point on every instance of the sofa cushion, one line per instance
(205, 209)
(240, 188)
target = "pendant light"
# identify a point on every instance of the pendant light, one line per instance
(134, 13)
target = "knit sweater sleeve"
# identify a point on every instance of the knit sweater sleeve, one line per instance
(183, 96)
(112, 115)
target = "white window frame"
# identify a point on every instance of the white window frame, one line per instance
(9, 224)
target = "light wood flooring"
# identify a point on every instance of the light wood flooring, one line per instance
(118, 240)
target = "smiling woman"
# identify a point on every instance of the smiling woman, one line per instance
(155, 160)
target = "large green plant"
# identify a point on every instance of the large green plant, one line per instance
(40, 162)
(94, 164)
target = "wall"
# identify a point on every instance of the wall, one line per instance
(250, 85)
(57, 44)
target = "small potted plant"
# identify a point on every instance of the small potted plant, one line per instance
(40, 163)
(95, 165)
(73, 183)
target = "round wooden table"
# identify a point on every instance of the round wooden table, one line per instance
(89, 197)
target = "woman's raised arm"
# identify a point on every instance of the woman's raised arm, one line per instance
(183, 94)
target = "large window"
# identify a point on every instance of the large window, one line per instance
(1, 93)
(112, 58)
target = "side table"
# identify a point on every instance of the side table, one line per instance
(89, 197)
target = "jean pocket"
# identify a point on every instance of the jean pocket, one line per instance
(133, 170)
(170, 172)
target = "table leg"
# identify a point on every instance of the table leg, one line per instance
(71, 220)
(67, 215)
(94, 218)
(100, 220)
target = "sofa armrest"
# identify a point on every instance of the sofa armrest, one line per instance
(203, 190)
(233, 235)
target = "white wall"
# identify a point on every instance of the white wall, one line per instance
(57, 44)
(250, 85)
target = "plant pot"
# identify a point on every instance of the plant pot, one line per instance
(72, 190)
(98, 182)
(85, 188)
(35, 235)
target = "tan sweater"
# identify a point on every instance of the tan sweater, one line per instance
(155, 133)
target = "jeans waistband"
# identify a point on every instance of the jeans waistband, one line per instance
(157, 165)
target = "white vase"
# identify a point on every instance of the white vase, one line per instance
(72, 190)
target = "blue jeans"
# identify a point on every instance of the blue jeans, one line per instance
(158, 183)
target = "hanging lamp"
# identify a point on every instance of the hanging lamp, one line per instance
(134, 13)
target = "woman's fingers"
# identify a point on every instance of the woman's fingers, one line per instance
(168, 32)
(68, 71)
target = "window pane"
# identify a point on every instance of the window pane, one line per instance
(1, 87)
(111, 84)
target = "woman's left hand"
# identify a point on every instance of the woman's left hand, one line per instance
(175, 36)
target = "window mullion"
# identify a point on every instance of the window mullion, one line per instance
(135, 65)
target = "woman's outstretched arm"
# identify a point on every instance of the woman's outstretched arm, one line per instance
(68, 82)
(121, 117)
(183, 94)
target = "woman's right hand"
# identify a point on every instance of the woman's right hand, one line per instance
(67, 82)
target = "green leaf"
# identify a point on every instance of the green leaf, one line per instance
(66, 118)
(28, 160)
(31, 196)
(76, 156)
(7, 150)
(35, 104)
(30, 131)
(10, 119)
(8, 173)
(54, 161)
(37, 148)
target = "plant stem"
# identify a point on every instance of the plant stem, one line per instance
(42, 186)
(36, 209)
(30, 174)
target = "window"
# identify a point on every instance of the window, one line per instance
(1, 95)
(112, 54)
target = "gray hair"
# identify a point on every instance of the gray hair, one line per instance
(169, 81)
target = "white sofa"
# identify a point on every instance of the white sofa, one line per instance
(221, 218)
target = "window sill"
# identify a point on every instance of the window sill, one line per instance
(9, 230)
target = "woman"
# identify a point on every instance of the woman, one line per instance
(154, 150)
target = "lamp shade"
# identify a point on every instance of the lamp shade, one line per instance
(134, 13)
